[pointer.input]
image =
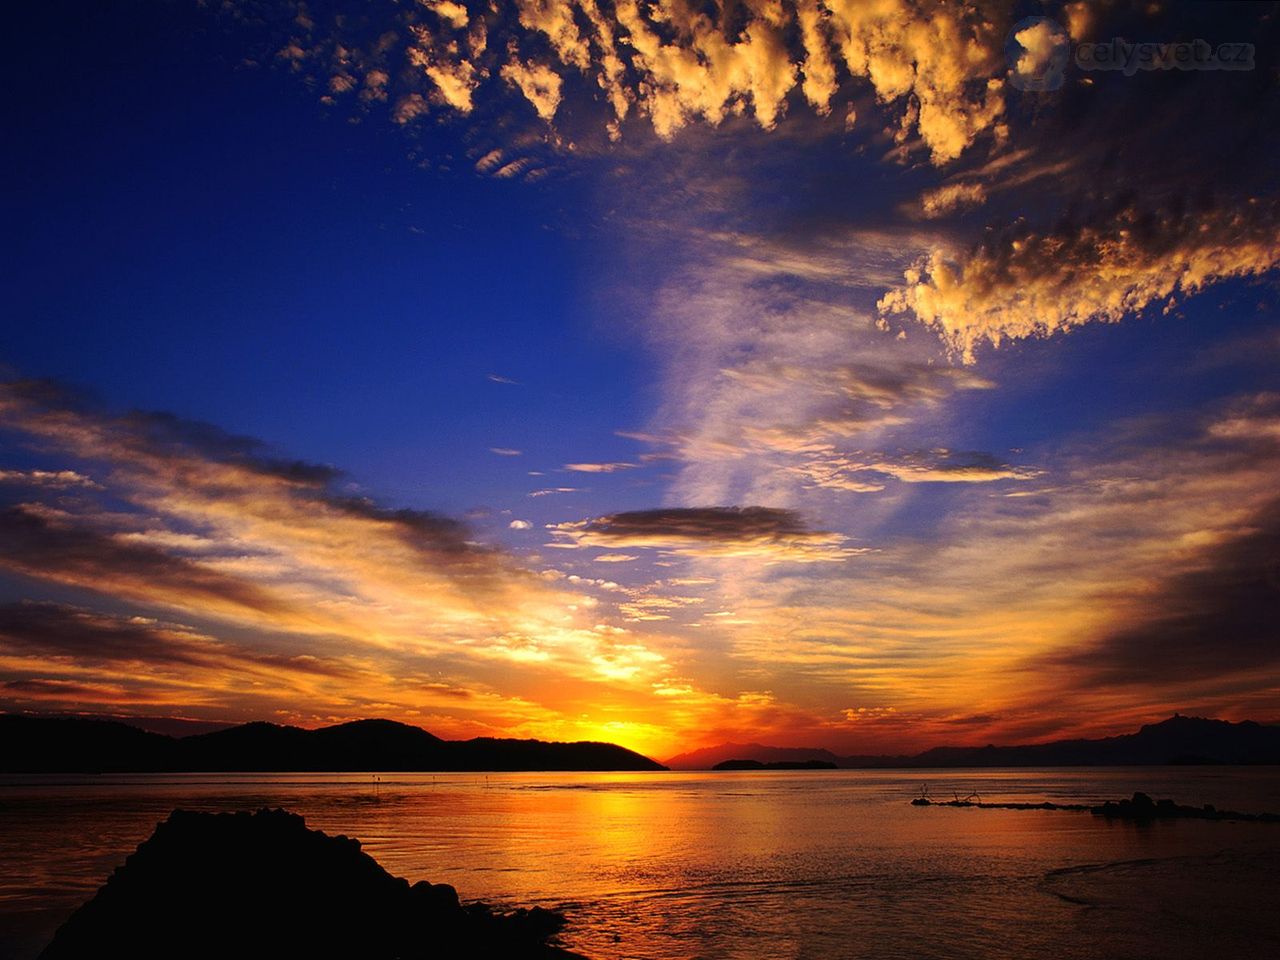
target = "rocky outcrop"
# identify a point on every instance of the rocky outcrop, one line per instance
(1142, 807)
(263, 885)
(1139, 807)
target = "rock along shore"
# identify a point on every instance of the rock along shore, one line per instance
(1139, 807)
(259, 885)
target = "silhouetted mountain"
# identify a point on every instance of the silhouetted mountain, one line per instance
(775, 765)
(487, 753)
(169, 726)
(708, 757)
(261, 885)
(58, 745)
(55, 745)
(50, 745)
(359, 745)
(1178, 740)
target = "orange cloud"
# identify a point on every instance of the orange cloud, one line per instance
(936, 67)
(1037, 284)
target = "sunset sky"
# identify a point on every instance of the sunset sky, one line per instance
(660, 372)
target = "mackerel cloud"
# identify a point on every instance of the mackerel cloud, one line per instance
(937, 67)
(1094, 205)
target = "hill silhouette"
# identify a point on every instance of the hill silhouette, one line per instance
(65, 745)
(708, 757)
(775, 765)
(1178, 740)
(263, 885)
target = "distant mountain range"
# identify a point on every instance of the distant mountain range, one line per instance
(67, 745)
(1178, 740)
(774, 765)
(73, 745)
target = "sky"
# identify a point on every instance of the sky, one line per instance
(865, 375)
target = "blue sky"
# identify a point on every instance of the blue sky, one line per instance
(895, 397)
(208, 240)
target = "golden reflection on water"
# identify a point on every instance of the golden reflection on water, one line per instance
(755, 864)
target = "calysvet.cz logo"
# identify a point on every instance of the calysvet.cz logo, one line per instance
(1039, 52)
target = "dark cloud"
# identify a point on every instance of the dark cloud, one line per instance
(164, 432)
(157, 433)
(48, 629)
(423, 529)
(1120, 192)
(180, 449)
(942, 466)
(88, 637)
(161, 433)
(697, 524)
(769, 534)
(38, 688)
(1221, 618)
(43, 393)
(70, 552)
(1163, 131)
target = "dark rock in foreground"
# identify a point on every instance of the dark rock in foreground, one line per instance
(1140, 807)
(775, 765)
(259, 885)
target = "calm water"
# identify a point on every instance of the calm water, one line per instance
(736, 865)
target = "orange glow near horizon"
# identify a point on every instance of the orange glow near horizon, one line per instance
(667, 374)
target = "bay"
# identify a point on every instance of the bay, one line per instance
(758, 864)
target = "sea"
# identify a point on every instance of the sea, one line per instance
(747, 865)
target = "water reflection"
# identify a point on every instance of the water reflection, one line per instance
(757, 864)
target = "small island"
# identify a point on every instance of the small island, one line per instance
(775, 765)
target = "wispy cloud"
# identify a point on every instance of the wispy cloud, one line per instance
(926, 466)
(57, 630)
(1176, 632)
(67, 549)
(838, 205)
(599, 467)
(214, 529)
(57, 479)
(549, 491)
